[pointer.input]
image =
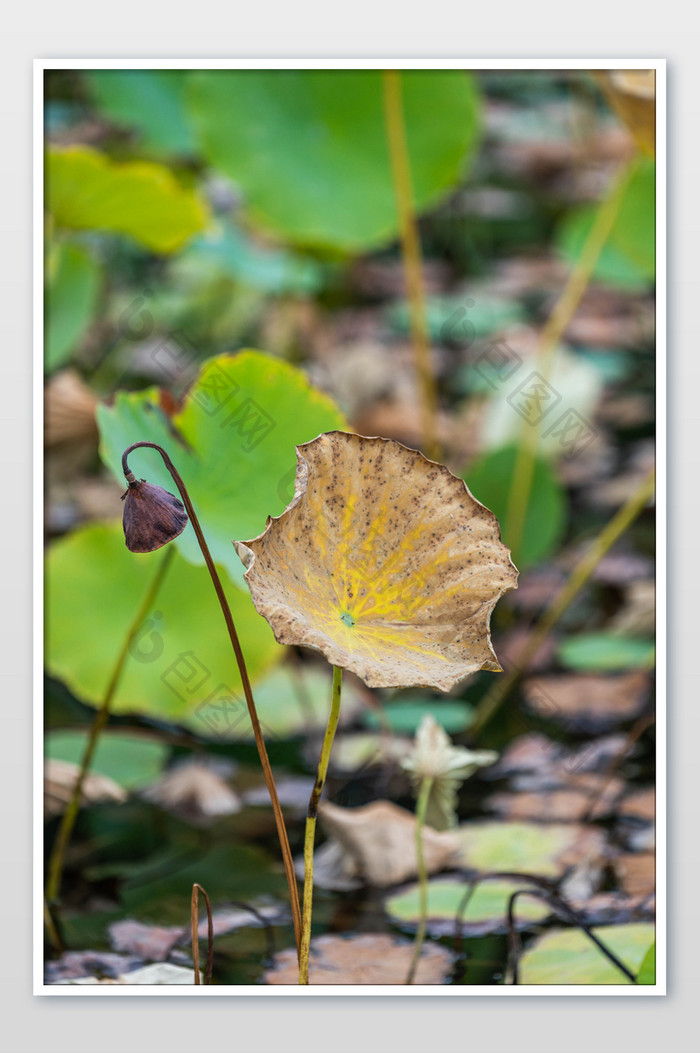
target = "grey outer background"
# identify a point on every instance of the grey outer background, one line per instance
(530, 1025)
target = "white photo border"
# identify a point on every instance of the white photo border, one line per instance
(41, 66)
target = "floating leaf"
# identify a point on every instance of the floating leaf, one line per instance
(309, 147)
(490, 480)
(647, 970)
(86, 190)
(239, 425)
(568, 956)
(72, 292)
(147, 101)
(605, 652)
(368, 958)
(541, 849)
(628, 258)
(485, 913)
(588, 703)
(384, 562)
(180, 666)
(405, 714)
(131, 760)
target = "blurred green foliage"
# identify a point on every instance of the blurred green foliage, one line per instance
(545, 519)
(72, 292)
(180, 667)
(605, 652)
(233, 442)
(628, 259)
(309, 148)
(86, 190)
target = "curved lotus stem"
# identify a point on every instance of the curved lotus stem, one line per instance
(245, 679)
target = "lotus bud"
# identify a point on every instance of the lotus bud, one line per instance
(152, 516)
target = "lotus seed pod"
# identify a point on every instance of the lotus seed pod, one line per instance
(152, 516)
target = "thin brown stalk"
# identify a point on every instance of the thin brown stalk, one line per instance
(550, 338)
(493, 700)
(194, 920)
(412, 256)
(245, 679)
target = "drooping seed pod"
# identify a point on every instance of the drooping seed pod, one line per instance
(152, 516)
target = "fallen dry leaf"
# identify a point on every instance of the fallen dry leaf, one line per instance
(384, 562)
(636, 872)
(151, 942)
(380, 841)
(160, 973)
(70, 410)
(638, 614)
(364, 959)
(59, 781)
(614, 908)
(558, 805)
(74, 965)
(194, 791)
(640, 805)
(588, 701)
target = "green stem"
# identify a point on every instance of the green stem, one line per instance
(310, 832)
(55, 869)
(564, 310)
(492, 701)
(412, 257)
(421, 808)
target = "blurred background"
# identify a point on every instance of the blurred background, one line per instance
(192, 214)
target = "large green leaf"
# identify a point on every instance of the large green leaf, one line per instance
(628, 258)
(149, 101)
(131, 760)
(87, 191)
(568, 956)
(72, 291)
(490, 481)
(240, 423)
(180, 667)
(309, 147)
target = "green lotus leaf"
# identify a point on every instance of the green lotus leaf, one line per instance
(233, 443)
(309, 148)
(180, 667)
